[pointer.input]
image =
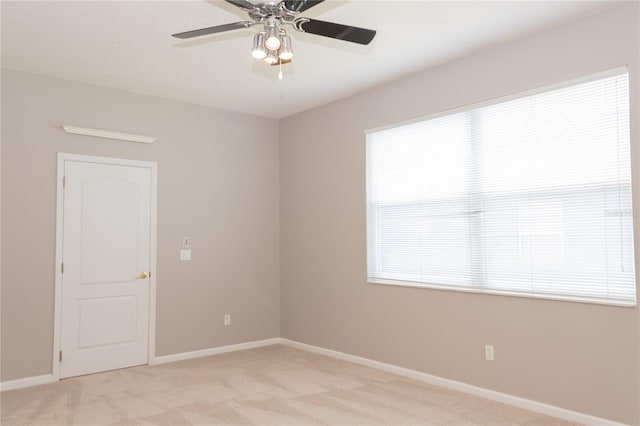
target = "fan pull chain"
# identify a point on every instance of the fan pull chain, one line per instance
(280, 72)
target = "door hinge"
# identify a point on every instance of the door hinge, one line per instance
(60, 356)
(62, 268)
(64, 181)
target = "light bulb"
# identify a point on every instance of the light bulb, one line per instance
(273, 38)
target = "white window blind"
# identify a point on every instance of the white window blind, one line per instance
(529, 196)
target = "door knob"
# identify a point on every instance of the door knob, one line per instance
(142, 276)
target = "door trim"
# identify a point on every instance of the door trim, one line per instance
(153, 167)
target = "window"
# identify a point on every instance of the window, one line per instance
(529, 195)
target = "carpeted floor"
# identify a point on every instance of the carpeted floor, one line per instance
(275, 385)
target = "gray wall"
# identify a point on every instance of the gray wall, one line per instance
(579, 356)
(260, 242)
(218, 184)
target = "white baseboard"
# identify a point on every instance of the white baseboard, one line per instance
(48, 378)
(26, 382)
(215, 351)
(527, 404)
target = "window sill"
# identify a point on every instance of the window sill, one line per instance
(486, 291)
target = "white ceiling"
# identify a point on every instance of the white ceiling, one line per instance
(128, 45)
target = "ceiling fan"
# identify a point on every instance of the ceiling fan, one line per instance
(272, 44)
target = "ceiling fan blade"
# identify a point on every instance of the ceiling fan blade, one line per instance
(215, 29)
(333, 30)
(300, 5)
(242, 4)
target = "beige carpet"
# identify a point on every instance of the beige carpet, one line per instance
(275, 385)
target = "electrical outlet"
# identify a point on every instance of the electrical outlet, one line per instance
(488, 353)
(227, 319)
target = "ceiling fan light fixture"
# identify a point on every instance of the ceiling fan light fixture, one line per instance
(273, 37)
(286, 52)
(271, 57)
(258, 51)
(273, 45)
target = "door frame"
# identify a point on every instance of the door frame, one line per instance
(153, 220)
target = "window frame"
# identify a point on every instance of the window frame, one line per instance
(482, 288)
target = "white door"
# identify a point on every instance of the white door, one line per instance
(106, 265)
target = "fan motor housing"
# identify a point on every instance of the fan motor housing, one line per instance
(278, 10)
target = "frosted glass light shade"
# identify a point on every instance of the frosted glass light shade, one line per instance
(285, 53)
(258, 50)
(271, 57)
(273, 38)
